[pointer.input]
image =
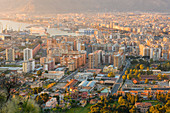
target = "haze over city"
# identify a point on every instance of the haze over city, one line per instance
(71, 6)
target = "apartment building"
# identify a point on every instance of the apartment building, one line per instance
(95, 59)
(28, 54)
(28, 65)
(10, 55)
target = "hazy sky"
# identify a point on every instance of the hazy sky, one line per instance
(55, 6)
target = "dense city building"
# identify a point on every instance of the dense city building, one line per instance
(28, 54)
(10, 55)
(85, 62)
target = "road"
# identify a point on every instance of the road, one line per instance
(116, 86)
(69, 77)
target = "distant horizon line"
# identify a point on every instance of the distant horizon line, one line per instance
(85, 12)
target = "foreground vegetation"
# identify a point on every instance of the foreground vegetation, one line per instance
(85, 109)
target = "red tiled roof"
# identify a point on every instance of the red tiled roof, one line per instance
(71, 83)
(143, 104)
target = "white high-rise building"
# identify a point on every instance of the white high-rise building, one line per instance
(28, 54)
(157, 54)
(118, 60)
(28, 66)
(151, 52)
(32, 64)
(10, 55)
(78, 46)
(25, 67)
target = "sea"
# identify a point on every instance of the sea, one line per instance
(15, 26)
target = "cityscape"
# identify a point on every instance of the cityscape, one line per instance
(99, 61)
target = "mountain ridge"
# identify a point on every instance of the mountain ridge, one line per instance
(71, 6)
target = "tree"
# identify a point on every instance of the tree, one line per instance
(94, 75)
(37, 90)
(132, 99)
(124, 77)
(58, 99)
(126, 72)
(159, 77)
(2, 98)
(121, 101)
(167, 106)
(46, 71)
(122, 109)
(51, 85)
(114, 106)
(57, 109)
(9, 83)
(131, 71)
(20, 105)
(68, 72)
(136, 72)
(42, 98)
(139, 75)
(133, 110)
(164, 76)
(33, 78)
(39, 73)
(151, 109)
(98, 92)
(148, 71)
(111, 74)
(146, 81)
(134, 61)
(137, 66)
(136, 98)
(151, 60)
(129, 76)
(141, 67)
(154, 82)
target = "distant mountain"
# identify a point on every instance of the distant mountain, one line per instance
(69, 6)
